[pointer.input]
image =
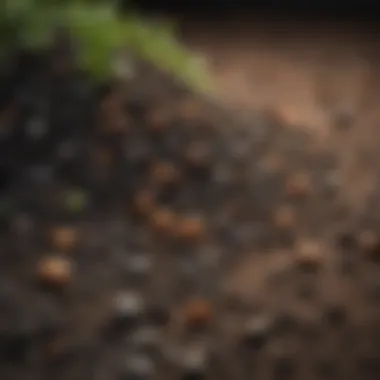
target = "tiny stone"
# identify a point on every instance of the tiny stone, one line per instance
(41, 174)
(194, 363)
(271, 164)
(256, 331)
(222, 174)
(164, 221)
(285, 217)
(140, 265)
(331, 183)
(55, 270)
(144, 202)
(198, 313)
(64, 238)
(210, 256)
(37, 128)
(298, 185)
(138, 152)
(138, 367)
(147, 338)
(198, 154)
(191, 229)
(164, 173)
(309, 255)
(369, 244)
(127, 307)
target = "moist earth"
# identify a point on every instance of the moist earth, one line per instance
(148, 232)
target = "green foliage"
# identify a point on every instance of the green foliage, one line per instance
(100, 32)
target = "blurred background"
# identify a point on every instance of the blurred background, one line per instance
(305, 59)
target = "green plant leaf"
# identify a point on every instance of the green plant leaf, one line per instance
(101, 32)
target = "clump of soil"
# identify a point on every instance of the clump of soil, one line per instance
(124, 213)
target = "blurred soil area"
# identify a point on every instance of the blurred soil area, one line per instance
(318, 76)
(149, 233)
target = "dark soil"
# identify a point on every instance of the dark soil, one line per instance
(125, 213)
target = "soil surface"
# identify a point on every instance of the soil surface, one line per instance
(313, 74)
(148, 233)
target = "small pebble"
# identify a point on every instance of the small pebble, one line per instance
(147, 339)
(222, 174)
(144, 202)
(164, 221)
(298, 186)
(64, 238)
(256, 331)
(191, 229)
(138, 367)
(309, 255)
(140, 265)
(369, 244)
(285, 217)
(41, 174)
(271, 164)
(164, 174)
(198, 313)
(331, 183)
(55, 270)
(137, 151)
(194, 363)
(37, 128)
(127, 307)
(198, 155)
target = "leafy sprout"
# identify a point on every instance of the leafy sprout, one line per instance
(100, 31)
